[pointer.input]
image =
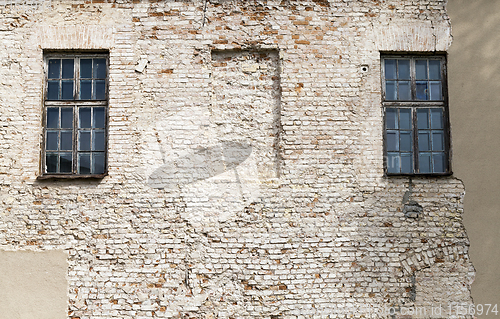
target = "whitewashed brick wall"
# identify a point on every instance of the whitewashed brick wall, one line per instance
(245, 161)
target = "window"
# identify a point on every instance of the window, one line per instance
(75, 115)
(415, 108)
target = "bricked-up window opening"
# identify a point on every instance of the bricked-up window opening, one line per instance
(416, 121)
(75, 115)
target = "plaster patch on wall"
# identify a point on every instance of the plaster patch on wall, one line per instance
(33, 284)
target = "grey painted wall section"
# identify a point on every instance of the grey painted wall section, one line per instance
(33, 284)
(474, 88)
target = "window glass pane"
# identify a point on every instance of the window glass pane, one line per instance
(84, 117)
(423, 119)
(99, 68)
(66, 117)
(51, 163)
(392, 141)
(54, 68)
(422, 91)
(86, 68)
(405, 142)
(99, 90)
(405, 119)
(439, 161)
(403, 69)
(98, 163)
(421, 69)
(391, 118)
(53, 90)
(437, 140)
(390, 69)
(390, 91)
(67, 68)
(66, 163)
(84, 163)
(424, 160)
(406, 163)
(51, 142)
(52, 117)
(67, 90)
(393, 162)
(99, 117)
(85, 89)
(434, 70)
(424, 141)
(84, 141)
(66, 140)
(436, 91)
(98, 142)
(404, 91)
(436, 118)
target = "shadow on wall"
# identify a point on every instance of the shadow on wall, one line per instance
(200, 164)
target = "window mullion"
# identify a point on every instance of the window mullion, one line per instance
(416, 166)
(413, 82)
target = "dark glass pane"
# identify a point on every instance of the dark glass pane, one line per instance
(84, 163)
(52, 117)
(437, 140)
(403, 69)
(439, 161)
(393, 162)
(67, 90)
(424, 160)
(66, 117)
(406, 163)
(54, 68)
(68, 68)
(84, 141)
(51, 163)
(435, 91)
(98, 163)
(405, 119)
(85, 89)
(99, 117)
(390, 91)
(53, 90)
(98, 142)
(436, 118)
(51, 142)
(392, 141)
(390, 69)
(422, 91)
(404, 91)
(421, 69)
(84, 117)
(99, 68)
(66, 140)
(434, 70)
(86, 68)
(99, 90)
(423, 119)
(405, 143)
(424, 141)
(66, 163)
(391, 118)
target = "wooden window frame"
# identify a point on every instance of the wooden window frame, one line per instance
(414, 105)
(75, 104)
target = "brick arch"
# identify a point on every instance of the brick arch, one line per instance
(427, 258)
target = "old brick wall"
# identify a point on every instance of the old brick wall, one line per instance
(245, 162)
